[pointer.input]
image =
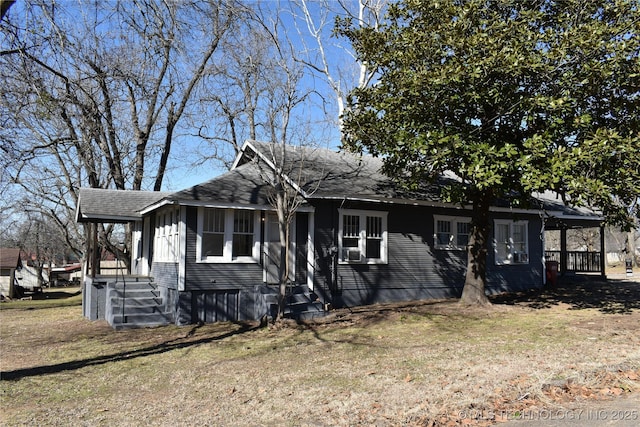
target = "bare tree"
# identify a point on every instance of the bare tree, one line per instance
(305, 37)
(237, 93)
(285, 98)
(40, 239)
(95, 96)
(321, 53)
(260, 94)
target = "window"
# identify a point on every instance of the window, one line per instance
(167, 236)
(363, 237)
(462, 237)
(451, 232)
(242, 233)
(374, 237)
(227, 235)
(351, 238)
(510, 242)
(213, 232)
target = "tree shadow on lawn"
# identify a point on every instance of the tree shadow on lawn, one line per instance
(608, 296)
(51, 295)
(47, 299)
(175, 344)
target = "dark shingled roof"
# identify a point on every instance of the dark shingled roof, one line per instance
(315, 172)
(114, 205)
(244, 185)
(325, 173)
(552, 201)
(9, 257)
(322, 173)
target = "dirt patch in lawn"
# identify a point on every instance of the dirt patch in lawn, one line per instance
(421, 363)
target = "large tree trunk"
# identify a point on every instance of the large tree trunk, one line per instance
(630, 250)
(473, 292)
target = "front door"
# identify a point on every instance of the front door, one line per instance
(272, 249)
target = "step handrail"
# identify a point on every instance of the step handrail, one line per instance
(124, 288)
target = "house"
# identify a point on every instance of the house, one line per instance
(18, 274)
(208, 253)
(10, 263)
(63, 275)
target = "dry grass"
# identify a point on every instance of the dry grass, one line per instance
(405, 364)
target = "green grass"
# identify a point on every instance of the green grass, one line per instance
(50, 298)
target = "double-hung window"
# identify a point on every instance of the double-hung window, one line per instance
(362, 237)
(228, 235)
(242, 233)
(451, 232)
(511, 242)
(212, 242)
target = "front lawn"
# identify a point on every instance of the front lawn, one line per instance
(423, 363)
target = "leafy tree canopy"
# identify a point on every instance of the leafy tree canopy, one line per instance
(513, 96)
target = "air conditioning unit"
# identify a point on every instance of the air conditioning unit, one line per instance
(351, 254)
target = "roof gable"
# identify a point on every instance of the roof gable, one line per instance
(313, 172)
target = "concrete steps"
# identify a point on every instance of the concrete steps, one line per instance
(136, 304)
(302, 304)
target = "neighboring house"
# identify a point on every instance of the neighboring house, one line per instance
(28, 278)
(357, 238)
(10, 263)
(18, 275)
(66, 274)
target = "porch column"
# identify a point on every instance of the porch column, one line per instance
(91, 250)
(603, 254)
(563, 250)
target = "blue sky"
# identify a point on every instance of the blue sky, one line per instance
(321, 105)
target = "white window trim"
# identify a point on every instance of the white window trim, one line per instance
(167, 235)
(362, 238)
(227, 254)
(512, 253)
(454, 220)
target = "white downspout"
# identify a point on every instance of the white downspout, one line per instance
(311, 265)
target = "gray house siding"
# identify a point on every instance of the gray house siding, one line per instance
(517, 277)
(215, 291)
(228, 291)
(326, 229)
(215, 276)
(165, 275)
(415, 268)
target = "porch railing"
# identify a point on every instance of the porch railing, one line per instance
(576, 261)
